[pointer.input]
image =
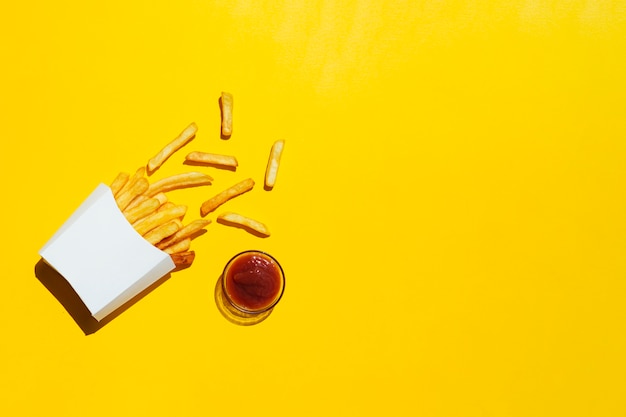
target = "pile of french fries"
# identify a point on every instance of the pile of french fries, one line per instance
(161, 222)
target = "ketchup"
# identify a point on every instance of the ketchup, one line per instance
(253, 281)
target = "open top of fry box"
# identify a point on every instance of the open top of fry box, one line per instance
(102, 257)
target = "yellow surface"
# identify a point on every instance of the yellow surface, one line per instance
(450, 211)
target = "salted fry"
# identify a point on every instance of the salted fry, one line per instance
(183, 259)
(157, 219)
(273, 163)
(119, 182)
(181, 246)
(212, 159)
(141, 210)
(246, 222)
(161, 197)
(138, 187)
(157, 234)
(184, 180)
(226, 103)
(169, 149)
(184, 233)
(237, 189)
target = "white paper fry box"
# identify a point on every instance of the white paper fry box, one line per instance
(102, 257)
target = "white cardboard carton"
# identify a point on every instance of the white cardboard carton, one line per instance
(102, 257)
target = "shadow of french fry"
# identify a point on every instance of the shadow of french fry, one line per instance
(61, 289)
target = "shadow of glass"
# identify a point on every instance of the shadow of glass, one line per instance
(71, 301)
(233, 315)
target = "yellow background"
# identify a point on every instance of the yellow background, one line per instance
(450, 211)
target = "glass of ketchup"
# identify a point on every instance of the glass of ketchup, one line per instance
(253, 282)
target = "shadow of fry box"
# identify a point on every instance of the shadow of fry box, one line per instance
(102, 257)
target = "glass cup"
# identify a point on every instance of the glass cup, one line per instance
(253, 282)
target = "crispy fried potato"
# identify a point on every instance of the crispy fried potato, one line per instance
(273, 163)
(141, 210)
(185, 136)
(237, 189)
(165, 206)
(154, 220)
(159, 233)
(138, 187)
(212, 159)
(183, 259)
(177, 247)
(184, 180)
(184, 233)
(139, 173)
(226, 103)
(137, 200)
(119, 182)
(246, 222)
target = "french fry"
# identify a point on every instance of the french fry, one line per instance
(119, 182)
(238, 219)
(139, 173)
(216, 201)
(183, 259)
(273, 163)
(212, 159)
(184, 233)
(159, 233)
(165, 206)
(141, 210)
(157, 219)
(161, 197)
(177, 247)
(184, 180)
(185, 136)
(137, 200)
(226, 103)
(138, 187)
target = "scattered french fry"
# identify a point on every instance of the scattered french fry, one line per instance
(185, 136)
(138, 187)
(226, 102)
(139, 173)
(238, 219)
(141, 210)
(212, 159)
(159, 233)
(216, 201)
(184, 180)
(184, 233)
(181, 246)
(119, 182)
(273, 163)
(156, 219)
(183, 259)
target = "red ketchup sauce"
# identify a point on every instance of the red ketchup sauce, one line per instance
(253, 281)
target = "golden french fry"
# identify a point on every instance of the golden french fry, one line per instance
(226, 103)
(166, 205)
(157, 219)
(237, 189)
(161, 197)
(184, 180)
(157, 234)
(141, 210)
(273, 163)
(238, 219)
(139, 173)
(119, 182)
(138, 187)
(184, 233)
(212, 159)
(177, 247)
(178, 142)
(183, 259)
(137, 201)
